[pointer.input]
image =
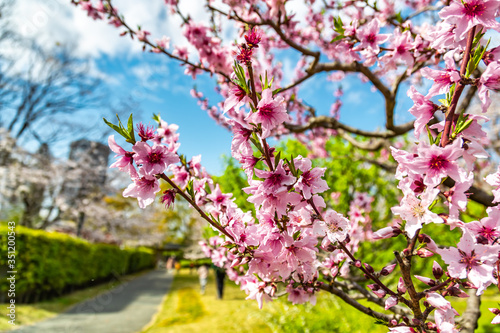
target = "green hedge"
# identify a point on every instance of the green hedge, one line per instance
(51, 263)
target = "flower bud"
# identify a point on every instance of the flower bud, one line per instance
(347, 239)
(357, 263)
(416, 322)
(245, 260)
(423, 238)
(369, 268)
(387, 270)
(377, 290)
(401, 286)
(383, 233)
(437, 271)
(424, 253)
(426, 280)
(235, 262)
(431, 326)
(495, 311)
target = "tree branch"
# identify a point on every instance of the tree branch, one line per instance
(345, 297)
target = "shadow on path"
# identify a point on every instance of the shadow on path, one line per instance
(124, 309)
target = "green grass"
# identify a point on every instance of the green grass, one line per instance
(30, 313)
(186, 310)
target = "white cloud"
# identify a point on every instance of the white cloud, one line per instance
(58, 21)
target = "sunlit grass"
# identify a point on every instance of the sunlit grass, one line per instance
(205, 313)
(30, 313)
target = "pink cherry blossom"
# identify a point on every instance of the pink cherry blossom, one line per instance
(469, 13)
(335, 226)
(390, 302)
(275, 181)
(443, 79)
(218, 198)
(271, 112)
(126, 158)
(415, 211)
(310, 181)
(369, 37)
(423, 109)
(490, 80)
(153, 160)
(144, 189)
(488, 227)
(142, 35)
(438, 162)
(472, 261)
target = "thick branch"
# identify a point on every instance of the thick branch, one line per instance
(330, 122)
(472, 313)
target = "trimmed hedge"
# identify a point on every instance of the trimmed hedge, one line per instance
(51, 263)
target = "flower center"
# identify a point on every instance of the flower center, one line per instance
(469, 259)
(438, 163)
(146, 183)
(473, 9)
(266, 110)
(488, 233)
(307, 178)
(418, 211)
(371, 38)
(155, 158)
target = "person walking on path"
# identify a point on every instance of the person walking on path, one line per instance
(220, 274)
(203, 274)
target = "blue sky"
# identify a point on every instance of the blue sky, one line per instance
(158, 84)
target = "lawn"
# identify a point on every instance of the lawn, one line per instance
(186, 310)
(30, 313)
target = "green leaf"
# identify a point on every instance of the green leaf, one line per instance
(130, 126)
(157, 118)
(277, 158)
(398, 17)
(113, 126)
(339, 37)
(444, 102)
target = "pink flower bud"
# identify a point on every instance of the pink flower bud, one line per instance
(245, 260)
(357, 263)
(401, 286)
(383, 233)
(495, 311)
(426, 280)
(387, 270)
(235, 262)
(424, 253)
(377, 290)
(369, 268)
(390, 302)
(437, 271)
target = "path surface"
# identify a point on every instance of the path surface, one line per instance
(124, 309)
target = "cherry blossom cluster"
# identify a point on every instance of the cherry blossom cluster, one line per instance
(295, 243)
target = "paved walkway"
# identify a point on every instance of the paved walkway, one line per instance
(124, 309)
